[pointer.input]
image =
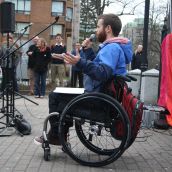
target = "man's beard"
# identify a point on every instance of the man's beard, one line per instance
(101, 37)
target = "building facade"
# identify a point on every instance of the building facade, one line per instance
(42, 13)
(134, 31)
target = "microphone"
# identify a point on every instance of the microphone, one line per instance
(91, 38)
(26, 26)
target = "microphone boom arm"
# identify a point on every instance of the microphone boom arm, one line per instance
(56, 20)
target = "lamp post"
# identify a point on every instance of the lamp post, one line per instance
(145, 35)
(144, 63)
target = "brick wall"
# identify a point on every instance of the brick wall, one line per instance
(40, 15)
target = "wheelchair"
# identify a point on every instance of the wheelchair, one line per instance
(100, 129)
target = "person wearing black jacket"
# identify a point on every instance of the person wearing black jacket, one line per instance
(86, 52)
(137, 58)
(12, 60)
(30, 66)
(76, 75)
(42, 55)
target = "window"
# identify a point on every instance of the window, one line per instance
(57, 8)
(69, 14)
(21, 6)
(20, 26)
(55, 29)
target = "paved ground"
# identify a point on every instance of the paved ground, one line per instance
(152, 151)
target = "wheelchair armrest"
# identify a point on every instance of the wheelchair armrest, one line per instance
(124, 78)
(132, 78)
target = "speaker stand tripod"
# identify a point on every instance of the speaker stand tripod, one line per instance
(8, 94)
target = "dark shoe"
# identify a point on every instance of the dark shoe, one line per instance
(54, 140)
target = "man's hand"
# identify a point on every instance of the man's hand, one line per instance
(70, 59)
(86, 43)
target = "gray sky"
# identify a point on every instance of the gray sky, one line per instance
(139, 12)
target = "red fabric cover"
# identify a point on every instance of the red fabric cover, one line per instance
(165, 98)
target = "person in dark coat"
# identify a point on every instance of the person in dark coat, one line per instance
(9, 63)
(42, 57)
(77, 74)
(86, 52)
(137, 58)
(30, 66)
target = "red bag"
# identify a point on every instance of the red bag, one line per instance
(133, 107)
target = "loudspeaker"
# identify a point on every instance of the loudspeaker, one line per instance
(7, 17)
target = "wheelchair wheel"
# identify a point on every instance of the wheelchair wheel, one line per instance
(91, 140)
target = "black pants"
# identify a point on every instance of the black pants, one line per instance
(57, 103)
(77, 75)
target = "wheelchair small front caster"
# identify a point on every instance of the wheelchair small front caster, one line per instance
(47, 154)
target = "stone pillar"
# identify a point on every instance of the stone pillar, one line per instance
(135, 84)
(76, 21)
(149, 88)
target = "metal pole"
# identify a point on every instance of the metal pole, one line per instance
(145, 34)
(144, 63)
(170, 11)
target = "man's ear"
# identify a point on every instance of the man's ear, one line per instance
(108, 29)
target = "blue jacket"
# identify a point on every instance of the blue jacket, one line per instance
(110, 61)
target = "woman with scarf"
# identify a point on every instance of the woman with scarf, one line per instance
(42, 55)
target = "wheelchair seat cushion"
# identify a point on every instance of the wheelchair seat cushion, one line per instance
(91, 110)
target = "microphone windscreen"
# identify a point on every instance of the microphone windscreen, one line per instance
(92, 37)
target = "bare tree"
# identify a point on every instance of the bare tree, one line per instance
(91, 9)
(156, 21)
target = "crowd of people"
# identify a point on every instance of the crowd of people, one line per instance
(43, 58)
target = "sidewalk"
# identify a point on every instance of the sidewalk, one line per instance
(152, 152)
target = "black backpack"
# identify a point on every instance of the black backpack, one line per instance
(22, 125)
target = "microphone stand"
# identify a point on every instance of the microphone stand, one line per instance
(8, 102)
(56, 20)
(143, 68)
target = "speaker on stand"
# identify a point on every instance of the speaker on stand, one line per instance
(7, 17)
(7, 14)
(7, 25)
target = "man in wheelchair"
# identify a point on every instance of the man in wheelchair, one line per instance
(113, 55)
